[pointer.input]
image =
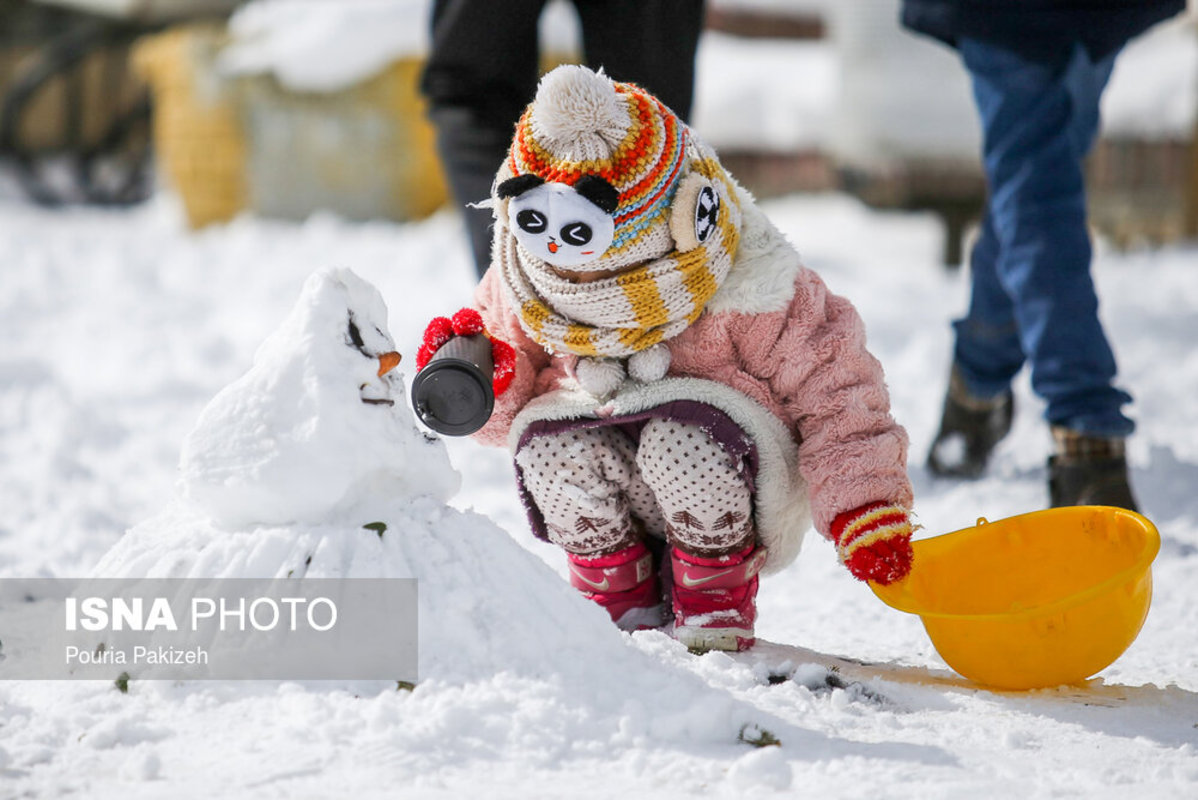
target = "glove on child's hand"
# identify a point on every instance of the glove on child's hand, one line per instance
(468, 322)
(874, 542)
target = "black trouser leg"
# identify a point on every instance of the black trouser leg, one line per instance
(471, 154)
(481, 73)
(651, 43)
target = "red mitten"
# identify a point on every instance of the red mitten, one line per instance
(468, 322)
(874, 542)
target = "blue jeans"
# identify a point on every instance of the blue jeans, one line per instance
(1032, 297)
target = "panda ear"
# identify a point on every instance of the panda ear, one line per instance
(695, 214)
(599, 192)
(514, 187)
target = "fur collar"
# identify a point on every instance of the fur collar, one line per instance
(763, 275)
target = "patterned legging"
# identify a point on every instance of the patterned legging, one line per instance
(598, 491)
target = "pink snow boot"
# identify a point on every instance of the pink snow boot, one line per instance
(624, 582)
(715, 599)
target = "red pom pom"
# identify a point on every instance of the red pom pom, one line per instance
(468, 322)
(503, 356)
(438, 332)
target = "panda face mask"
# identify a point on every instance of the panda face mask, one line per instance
(566, 226)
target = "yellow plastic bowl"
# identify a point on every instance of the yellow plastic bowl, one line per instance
(1037, 600)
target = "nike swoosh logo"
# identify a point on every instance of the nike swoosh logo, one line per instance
(750, 567)
(690, 582)
(602, 586)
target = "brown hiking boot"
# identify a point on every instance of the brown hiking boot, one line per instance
(1088, 471)
(970, 428)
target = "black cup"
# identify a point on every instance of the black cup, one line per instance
(452, 394)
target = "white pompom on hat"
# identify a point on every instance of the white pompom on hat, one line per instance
(578, 115)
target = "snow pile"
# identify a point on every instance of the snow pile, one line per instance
(327, 46)
(324, 47)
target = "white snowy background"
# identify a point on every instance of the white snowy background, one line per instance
(118, 327)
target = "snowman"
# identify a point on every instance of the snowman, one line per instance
(318, 425)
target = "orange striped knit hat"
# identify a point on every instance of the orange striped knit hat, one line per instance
(627, 137)
(670, 217)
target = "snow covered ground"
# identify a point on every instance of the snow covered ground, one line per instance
(116, 328)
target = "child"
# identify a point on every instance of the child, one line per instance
(682, 396)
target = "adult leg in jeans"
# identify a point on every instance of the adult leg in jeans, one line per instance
(1032, 293)
(1031, 270)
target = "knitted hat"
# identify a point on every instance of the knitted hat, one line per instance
(582, 125)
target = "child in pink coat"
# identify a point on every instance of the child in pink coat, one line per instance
(683, 398)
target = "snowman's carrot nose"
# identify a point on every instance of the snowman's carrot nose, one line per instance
(388, 362)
